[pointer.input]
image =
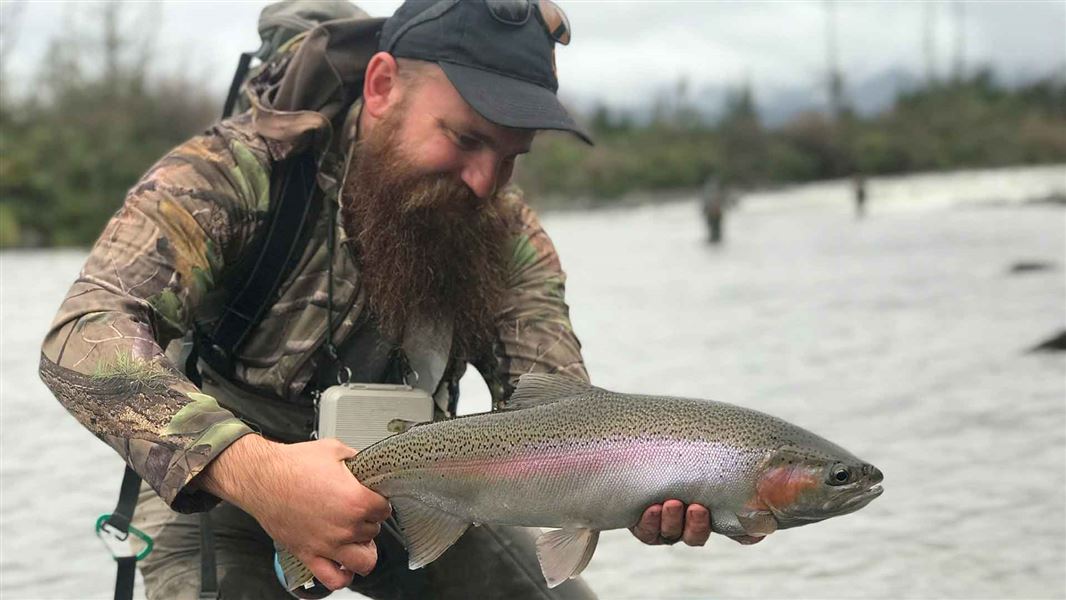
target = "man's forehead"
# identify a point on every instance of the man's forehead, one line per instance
(510, 138)
(446, 102)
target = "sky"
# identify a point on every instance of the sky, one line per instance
(625, 52)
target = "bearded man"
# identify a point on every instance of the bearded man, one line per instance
(414, 125)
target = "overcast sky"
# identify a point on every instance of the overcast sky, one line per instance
(622, 51)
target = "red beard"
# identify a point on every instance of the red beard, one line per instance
(426, 245)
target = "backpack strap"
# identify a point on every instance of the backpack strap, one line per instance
(243, 66)
(256, 278)
(120, 521)
(208, 567)
(271, 257)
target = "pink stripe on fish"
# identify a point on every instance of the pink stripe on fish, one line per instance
(580, 458)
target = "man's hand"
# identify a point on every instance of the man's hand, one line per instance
(306, 499)
(670, 522)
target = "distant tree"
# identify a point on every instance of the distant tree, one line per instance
(741, 138)
(96, 119)
(814, 136)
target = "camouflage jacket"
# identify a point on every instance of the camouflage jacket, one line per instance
(157, 266)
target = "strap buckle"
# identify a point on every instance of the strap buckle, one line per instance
(117, 541)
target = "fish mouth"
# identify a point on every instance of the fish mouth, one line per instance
(851, 503)
(866, 497)
(855, 502)
(834, 507)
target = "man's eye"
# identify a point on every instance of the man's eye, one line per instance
(466, 142)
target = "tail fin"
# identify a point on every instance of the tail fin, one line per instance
(291, 571)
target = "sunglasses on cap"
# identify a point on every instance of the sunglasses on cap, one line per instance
(516, 12)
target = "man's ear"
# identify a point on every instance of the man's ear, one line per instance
(380, 85)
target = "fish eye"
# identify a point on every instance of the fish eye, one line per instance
(839, 475)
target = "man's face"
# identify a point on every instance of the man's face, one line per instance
(419, 206)
(441, 134)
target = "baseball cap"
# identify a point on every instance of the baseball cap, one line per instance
(499, 55)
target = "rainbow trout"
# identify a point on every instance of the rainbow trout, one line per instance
(580, 459)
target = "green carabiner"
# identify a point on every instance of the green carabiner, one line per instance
(115, 540)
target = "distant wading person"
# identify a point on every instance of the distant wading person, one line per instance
(715, 199)
(413, 124)
(859, 187)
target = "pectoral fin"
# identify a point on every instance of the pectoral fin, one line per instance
(758, 523)
(429, 531)
(564, 553)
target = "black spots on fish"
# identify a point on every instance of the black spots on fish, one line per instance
(581, 424)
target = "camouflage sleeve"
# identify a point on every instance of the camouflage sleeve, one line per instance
(533, 330)
(151, 267)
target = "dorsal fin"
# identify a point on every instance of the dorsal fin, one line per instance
(535, 389)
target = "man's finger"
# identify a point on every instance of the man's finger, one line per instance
(358, 558)
(374, 506)
(647, 530)
(673, 520)
(365, 531)
(340, 449)
(697, 525)
(329, 573)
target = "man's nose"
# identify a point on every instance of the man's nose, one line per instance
(480, 174)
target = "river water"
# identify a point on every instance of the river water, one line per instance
(903, 337)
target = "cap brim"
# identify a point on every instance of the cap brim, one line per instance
(511, 102)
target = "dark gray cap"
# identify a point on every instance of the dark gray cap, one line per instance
(503, 67)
